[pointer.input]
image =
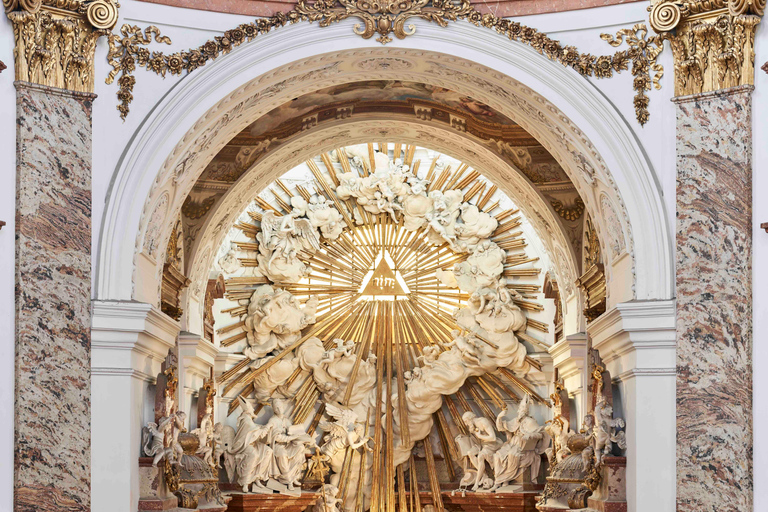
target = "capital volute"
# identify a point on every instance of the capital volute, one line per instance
(712, 41)
(56, 40)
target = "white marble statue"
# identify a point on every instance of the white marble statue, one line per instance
(280, 240)
(175, 450)
(477, 448)
(154, 439)
(345, 431)
(329, 501)
(526, 442)
(217, 442)
(289, 445)
(204, 435)
(606, 431)
(248, 460)
(442, 218)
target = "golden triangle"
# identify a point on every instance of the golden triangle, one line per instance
(383, 281)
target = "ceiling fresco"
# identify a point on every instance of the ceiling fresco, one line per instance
(394, 99)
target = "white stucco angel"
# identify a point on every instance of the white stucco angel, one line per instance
(204, 435)
(606, 431)
(229, 263)
(280, 241)
(274, 320)
(442, 218)
(345, 431)
(154, 438)
(175, 451)
(526, 442)
(329, 500)
(322, 215)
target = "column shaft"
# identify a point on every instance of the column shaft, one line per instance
(714, 301)
(53, 293)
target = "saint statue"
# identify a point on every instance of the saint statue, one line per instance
(526, 442)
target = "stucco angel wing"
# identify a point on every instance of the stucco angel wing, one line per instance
(270, 223)
(307, 234)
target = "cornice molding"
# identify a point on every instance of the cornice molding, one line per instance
(132, 326)
(569, 355)
(631, 327)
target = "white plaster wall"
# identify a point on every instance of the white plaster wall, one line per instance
(7, 261)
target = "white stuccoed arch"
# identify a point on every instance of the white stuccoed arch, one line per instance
(602, 136)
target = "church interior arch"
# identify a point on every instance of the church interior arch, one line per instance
(485, 139)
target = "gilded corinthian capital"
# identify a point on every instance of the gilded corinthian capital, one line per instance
(712, 41)
(56, 39)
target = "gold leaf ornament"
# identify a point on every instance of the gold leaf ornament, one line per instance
(387, 18)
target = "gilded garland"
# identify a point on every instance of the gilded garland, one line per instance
(127, 49)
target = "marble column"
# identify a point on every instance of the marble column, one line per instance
(53, 291)
(714, 301)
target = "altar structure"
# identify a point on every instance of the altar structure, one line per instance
(416, 256)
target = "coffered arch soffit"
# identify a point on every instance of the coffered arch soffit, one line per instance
(184, 163)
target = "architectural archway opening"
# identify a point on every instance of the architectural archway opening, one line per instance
(373, 266)
(490, 340)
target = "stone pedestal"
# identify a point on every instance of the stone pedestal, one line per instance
(52, 452)
(271, 502)
(152, 489)
(714, 301)
(611, 495)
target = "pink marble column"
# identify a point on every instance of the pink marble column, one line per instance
(714, 301)
(52, 456)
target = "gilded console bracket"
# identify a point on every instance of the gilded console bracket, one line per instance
(56, 40)
(713, 41)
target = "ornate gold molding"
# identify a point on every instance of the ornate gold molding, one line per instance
(712, 41)
(127, 49)
(56, 40)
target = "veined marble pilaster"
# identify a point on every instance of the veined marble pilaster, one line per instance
(53, 292)
(714, 301)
